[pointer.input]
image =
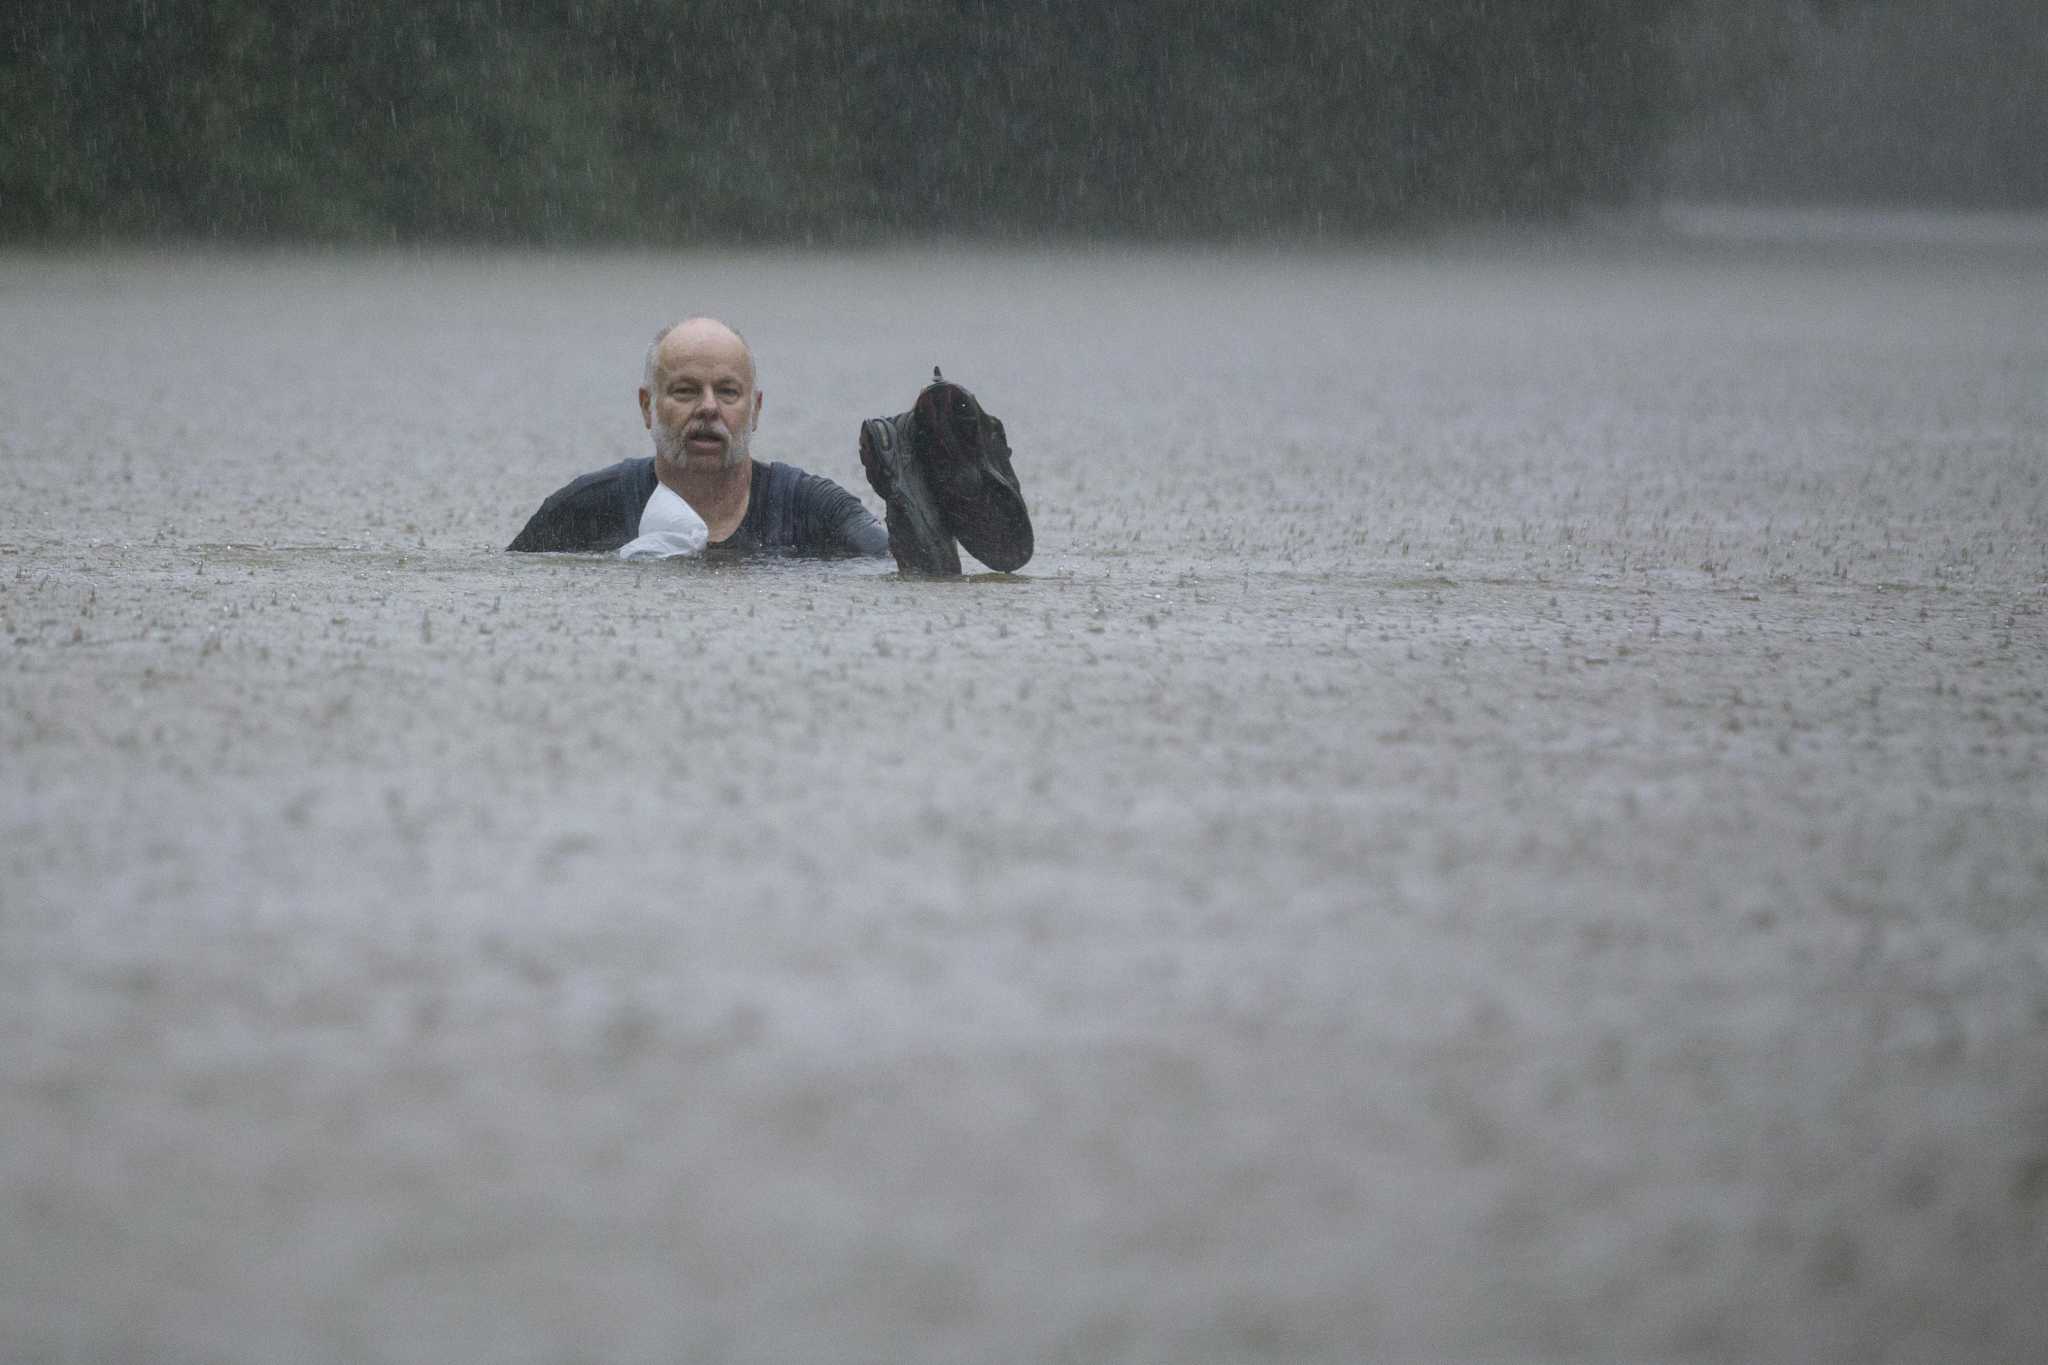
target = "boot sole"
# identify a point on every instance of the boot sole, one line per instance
(918, 534)
(977, 490)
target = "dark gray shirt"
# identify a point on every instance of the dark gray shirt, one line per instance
(787, 510)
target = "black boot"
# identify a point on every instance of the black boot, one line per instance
(944, 470)
(917, 528)
(966, 459)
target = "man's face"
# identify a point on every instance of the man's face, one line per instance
(704, 406)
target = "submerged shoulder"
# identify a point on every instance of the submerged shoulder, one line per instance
(631, 472)
(824, 518)
(594, 511)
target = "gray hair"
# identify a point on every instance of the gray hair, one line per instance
(653, 351)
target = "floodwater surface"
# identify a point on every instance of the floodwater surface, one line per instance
(1505, 820)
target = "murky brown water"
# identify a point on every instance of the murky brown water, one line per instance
(1505, 820)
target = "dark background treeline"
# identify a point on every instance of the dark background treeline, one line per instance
(1941, 102)
(838, 120)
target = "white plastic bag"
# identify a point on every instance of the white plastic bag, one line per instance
(669, 527)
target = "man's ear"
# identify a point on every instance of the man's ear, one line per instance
(758, 396)
(646, 410)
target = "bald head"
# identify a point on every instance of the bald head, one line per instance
(688, 335)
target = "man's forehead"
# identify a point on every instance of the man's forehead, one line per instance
(704, 343)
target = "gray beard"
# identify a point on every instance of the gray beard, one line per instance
(669, 444)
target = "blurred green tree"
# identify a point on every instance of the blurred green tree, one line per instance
(683, 121)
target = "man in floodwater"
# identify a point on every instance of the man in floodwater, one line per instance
(698, 398)
(943, 470)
